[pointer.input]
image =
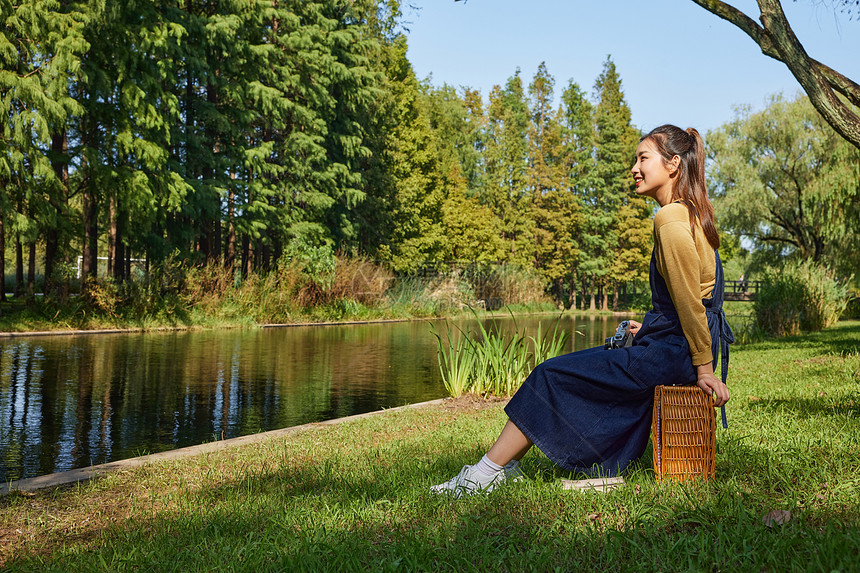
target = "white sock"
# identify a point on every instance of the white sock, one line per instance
(488, 467)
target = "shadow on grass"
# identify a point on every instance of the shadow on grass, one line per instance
(805, 408)
(841, 338)
(349, 515)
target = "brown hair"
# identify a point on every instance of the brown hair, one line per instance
(689, 186)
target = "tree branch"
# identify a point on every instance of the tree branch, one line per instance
(777, 40)
(835, 112)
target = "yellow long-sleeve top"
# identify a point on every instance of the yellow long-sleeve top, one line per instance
(688, 266)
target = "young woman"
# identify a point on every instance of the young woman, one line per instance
(590, 411)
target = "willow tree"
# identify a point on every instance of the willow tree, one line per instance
(785, 181)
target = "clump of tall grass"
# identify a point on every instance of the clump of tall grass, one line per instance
(799, 297)
(314, 282)
(509, 285)
(489, 361)
(434, 296)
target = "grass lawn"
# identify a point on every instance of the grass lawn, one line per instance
(354, 496)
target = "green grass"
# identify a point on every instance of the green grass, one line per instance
(354, 496)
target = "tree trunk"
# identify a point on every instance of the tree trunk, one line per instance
(777, 40)
(112, 236)
(2, 259)
(247, 256)
(19, 267)
(54, 252)
(116, 248)
(90, 254)
(31, 272)
(265, 257)
(230, 248)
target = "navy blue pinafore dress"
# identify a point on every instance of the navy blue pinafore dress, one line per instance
(590, 411)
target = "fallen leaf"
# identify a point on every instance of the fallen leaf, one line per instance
(776, 517)
(754, 399)
(592, 517)
(637, 489)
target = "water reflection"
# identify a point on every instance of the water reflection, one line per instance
(72, 401)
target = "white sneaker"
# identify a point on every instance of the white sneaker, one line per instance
(470, 481)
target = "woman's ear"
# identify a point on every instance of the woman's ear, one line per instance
(674, 163)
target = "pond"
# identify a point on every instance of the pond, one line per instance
(73, 401)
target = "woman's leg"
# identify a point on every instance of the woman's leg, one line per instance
(497, 465)
(511, 444)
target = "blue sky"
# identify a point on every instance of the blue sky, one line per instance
(678, 63)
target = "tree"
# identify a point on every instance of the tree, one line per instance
(40, 49)
(506, 159)
(787, 182)
(413, 228)
(121, 140)
(472, 231)
(553, 164)
(577, 124)
(606, 222)
(823, 85)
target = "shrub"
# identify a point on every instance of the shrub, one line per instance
(799, 297)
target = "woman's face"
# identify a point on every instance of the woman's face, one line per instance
(653, 177)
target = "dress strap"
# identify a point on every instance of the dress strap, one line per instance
(721, 332)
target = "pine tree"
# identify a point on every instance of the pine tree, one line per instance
(506, 189)
(556, 211)
(578, 140)
(471, 229)
(40, 48)
(543, 135)
(414, 223)
(611, 229)
(122, 138)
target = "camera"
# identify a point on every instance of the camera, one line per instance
(622, 337)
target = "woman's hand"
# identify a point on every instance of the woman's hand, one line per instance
(634, 326)
(711, 384)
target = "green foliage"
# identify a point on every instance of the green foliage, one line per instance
(800, 297)
(317, 264)
(242, 134)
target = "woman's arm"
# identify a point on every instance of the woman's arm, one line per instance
(679, 262)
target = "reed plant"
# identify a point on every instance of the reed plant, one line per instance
(456, 361)
(489, 361)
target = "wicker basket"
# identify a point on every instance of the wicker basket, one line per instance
(684, 433)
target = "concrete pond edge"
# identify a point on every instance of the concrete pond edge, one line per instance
(83, 474)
